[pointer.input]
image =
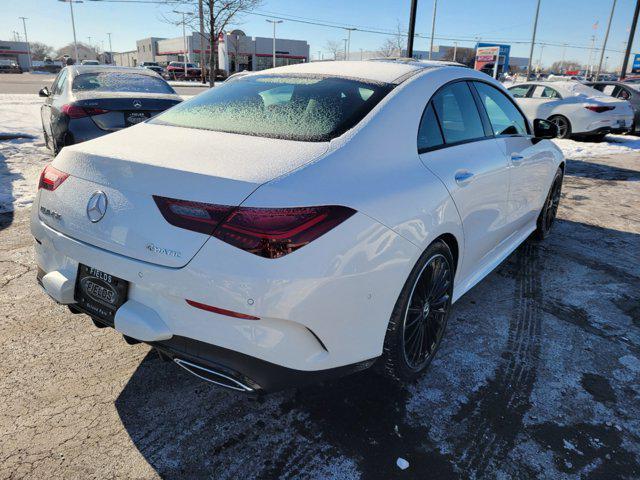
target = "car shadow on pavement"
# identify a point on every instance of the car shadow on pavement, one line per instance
(527, 384)
(599, 171)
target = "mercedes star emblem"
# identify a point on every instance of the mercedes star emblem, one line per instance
(137, 104)
(97, 206)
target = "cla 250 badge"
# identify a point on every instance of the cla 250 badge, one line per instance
(163, 251)
(50, 213)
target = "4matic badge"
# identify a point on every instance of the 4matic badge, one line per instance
(163, 251)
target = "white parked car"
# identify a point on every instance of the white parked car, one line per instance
(576, 109)
(304, 222)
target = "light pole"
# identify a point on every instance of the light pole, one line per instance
(433, 26)
(26, 39)
(540, 57)
(349, 30)
(274, 22)
(606, 37)
(73, 24)
(184, 39)
(110, 48)
(345, 48)
(533, 39)
(412, 27)
(632, 32)
(455, 50)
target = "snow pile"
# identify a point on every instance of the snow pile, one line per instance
(613, 145)
(22, 159)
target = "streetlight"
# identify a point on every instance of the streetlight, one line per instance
(433, 26)
(606, 37)
(412, 27)
(349, 41)
(110, 49)
(533, 39)
(73, 24)
(26, 39)
(184, 39)
(274, 22)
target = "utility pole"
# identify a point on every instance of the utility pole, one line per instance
(274, 22)
(591, 54)
(412, 27)
(349, 30)
(433, 26)
(361, 54)
(110, 49)
(540, 58)
(564, 51)
(632, 33)
(345, 48)
(533, 39)
(184, 39)
(203, 47)
(26, 39)
(455, 50)
(606, 37)
(73, 24)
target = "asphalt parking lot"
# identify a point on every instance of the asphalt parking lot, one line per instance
(538, 377)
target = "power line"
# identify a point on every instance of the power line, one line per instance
(343, 26)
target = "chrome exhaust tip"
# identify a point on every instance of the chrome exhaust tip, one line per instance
(213, 376)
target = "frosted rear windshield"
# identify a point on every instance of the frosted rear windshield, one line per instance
(120, 82)
(306, 108)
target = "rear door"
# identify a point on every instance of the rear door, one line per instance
(47, 110)
(456, 145)
(528, 165)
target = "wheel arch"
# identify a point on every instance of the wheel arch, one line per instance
(452, 242)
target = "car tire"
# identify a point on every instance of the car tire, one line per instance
(420, 315)
(596, 138)
(549, 209)
(563, 124)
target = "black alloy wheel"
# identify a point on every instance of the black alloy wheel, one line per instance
(550, 208)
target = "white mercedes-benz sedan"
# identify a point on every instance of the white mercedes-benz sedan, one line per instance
(298, 223)
(576, 109)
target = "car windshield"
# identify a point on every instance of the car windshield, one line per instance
(120, 82)
(308, 108)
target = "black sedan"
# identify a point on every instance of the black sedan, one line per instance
(623, 91)
(86, 102)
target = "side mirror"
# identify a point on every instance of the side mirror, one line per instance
(44, 92)
(544, 129)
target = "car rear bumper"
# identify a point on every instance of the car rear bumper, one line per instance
(314, 316)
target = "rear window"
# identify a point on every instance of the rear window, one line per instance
(120, 82)
(308, 108)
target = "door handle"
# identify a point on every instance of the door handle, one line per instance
(463, 177)
(516, 157)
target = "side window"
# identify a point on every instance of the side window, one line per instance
(59, 83)
(520, 91)
(608, 89)
(504, 117)
(624, 94)
(456, 109)
(429, 134)
(545, 92)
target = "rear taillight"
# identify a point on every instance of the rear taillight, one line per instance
(75, 111)
(51, 178)
(267, 232)
(598, 108)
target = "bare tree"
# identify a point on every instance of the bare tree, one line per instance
(218, 15)
(566, 65)
(464, 55)
(334, 47)
(39, 50)
(392, 46)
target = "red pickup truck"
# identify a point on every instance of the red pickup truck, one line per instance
(175, 71)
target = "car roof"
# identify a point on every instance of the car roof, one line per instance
(80, 69)
(393, 70)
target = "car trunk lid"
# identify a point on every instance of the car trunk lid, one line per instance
(131, 166)
(112, 111)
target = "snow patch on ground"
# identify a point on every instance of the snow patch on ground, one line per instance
(613, 144)
(21, 160)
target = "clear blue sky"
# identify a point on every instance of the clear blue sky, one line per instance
(561, 21)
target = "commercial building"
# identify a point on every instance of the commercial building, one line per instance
(236, 51)
(18, 51)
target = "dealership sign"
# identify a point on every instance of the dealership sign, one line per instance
(635, 68)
